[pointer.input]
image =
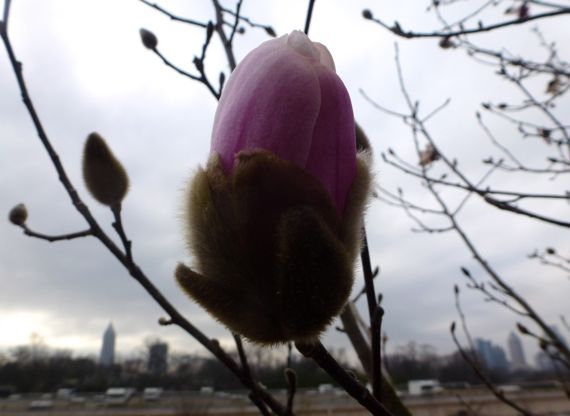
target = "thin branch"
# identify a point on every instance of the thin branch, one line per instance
(496, 392)
(118, 226)
(309, 16)
(464, 325)
(172, 16)
(320, 355)
(236, 21)
(254, 395)
(53, 238)
(398, 31)
(376, 325)
(175, 316)
(525, 306)
(202, 78)
(291, 379)
(508, 207)
(219, 27)
(268, 29)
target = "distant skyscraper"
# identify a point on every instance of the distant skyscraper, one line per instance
(107, 358)
(543, 361)
(158, 357)
(493, 356)
(516, 351)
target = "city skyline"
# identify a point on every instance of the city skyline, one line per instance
(158, 124)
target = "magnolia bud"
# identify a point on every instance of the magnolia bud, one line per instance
(18, 215)
(104, 176)
(274, 220)
(149, 39)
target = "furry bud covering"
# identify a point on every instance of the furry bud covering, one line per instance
(274, 260)
(104, 175)
(18, 215)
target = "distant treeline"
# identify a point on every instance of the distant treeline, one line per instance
(37, 369)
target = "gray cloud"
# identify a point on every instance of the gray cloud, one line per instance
(158, 124)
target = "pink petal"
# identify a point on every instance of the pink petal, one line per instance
(333, 150)
(270, 102)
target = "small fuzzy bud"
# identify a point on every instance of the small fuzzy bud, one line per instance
(270, 31)
(522, 329)
(367, 14)
(18, 215)
(551, 251)
(452, 327)
(104, 176)
(446, 43)
(149, 39)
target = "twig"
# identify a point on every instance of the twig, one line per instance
(376, 325)
(200, 78)
(118, 226)
(236, 22)
(254, 395)
(360, 344)
(398, 31)
(219, 27)
(320, 355)
(508, 207)
(419, 126)
(172, 16)
(363, 290)
(291, 379)
(496, 392)
(53, 238)
(309, 16)
(464, 325)
(175, 316)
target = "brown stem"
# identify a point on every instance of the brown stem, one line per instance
(397, 30)
(309, 16)
(97, 231)
(321, 356)
(496, 392)
(254, 395)
(53, 238)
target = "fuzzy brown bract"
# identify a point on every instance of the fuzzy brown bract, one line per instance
(274, 261)
(105, 177)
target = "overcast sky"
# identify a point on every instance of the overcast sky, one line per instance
(87, 71)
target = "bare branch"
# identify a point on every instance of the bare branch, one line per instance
(496, 392)
(398, 31)
(320, 355)
(53, 238)
(172, 16)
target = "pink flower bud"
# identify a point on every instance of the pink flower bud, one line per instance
(274, 219)
(285, 97)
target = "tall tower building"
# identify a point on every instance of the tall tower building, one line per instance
(493, 356)
(516, 351)
(107, 358)
(158, 358)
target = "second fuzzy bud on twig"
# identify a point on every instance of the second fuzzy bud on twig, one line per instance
(105, 177)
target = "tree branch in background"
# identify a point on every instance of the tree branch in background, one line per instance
(95, 229)
(320, 355)
(418, 128)
(496, 392)
(448, 32)
(309, 16)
